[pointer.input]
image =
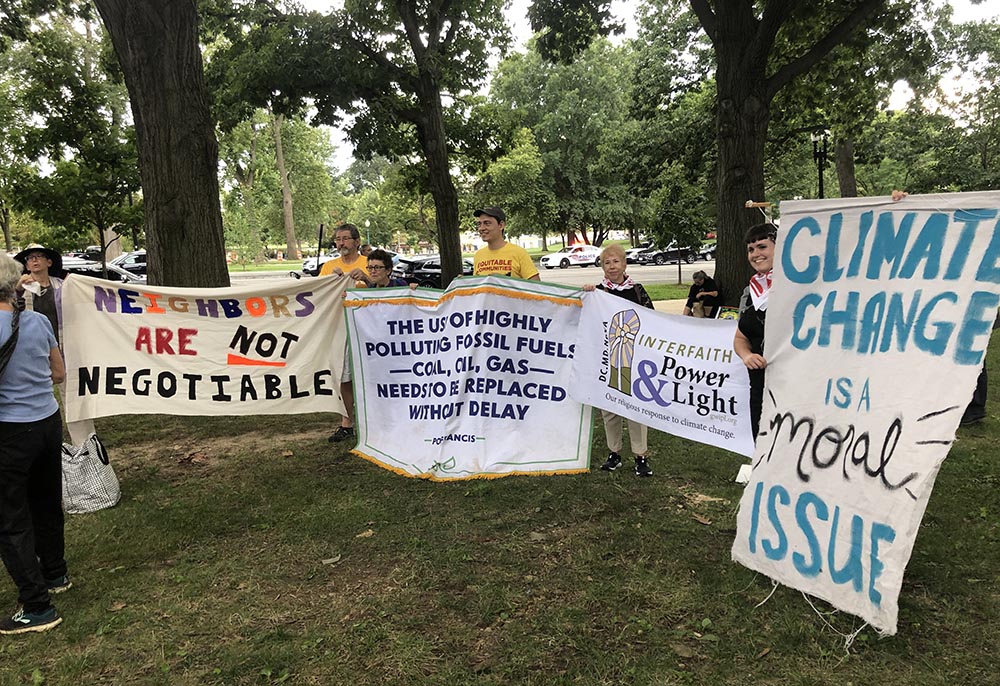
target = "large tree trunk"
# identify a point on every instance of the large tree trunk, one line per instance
(742, 121)
(743, 45)
(435, 146)
(286, 188)
(846, 178)
(157, 46)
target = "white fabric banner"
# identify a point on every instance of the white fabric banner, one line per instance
(469, 382)
(673, 373)
(274, 347)
(877, 325)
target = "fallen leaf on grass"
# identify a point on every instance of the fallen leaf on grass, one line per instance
(196, 457)
(702, 520)
(117, 607)
(535, 536)
(368, 533)
(682, 650)
(762, 653)
(331, 560)
(287, 453)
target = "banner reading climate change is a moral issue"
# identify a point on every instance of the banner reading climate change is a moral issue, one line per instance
(274, 347)
(676, 374)
(877, 327)
(467, 383)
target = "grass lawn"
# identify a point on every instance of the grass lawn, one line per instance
(247, 550)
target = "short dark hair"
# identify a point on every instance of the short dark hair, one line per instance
(355, 234)
(759, 232)
(381, 256)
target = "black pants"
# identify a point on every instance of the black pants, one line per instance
(977, 407)
(756, 398)
(32, 542)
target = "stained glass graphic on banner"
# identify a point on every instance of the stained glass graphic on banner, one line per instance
(622, 331)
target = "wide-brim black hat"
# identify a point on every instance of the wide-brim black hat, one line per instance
(55, 270)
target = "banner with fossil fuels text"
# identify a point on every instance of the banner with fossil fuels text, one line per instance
(469, 382)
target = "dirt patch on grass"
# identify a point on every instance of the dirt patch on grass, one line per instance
(197, 456)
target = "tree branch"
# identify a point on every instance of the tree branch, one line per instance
(837, 35)
(408, 15)
(775, 14)
(437, 12)
(706, 17)
(395, 71)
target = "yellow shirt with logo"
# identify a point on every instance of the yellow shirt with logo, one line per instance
(510, 260)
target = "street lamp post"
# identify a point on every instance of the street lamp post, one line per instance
(819, 154)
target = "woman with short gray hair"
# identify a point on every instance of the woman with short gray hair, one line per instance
(31, 518)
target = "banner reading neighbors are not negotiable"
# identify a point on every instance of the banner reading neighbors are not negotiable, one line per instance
(470, 382)
(877, 327)
(274, 347)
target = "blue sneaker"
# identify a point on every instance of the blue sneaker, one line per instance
(59, 584)
(25, 622)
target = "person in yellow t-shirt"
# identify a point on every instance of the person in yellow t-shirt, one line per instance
(347, 238)
(498, 256)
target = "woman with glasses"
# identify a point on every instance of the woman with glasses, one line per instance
(379, 274)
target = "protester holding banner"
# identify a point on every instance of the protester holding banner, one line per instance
(347, 238)
(379, 273)
(749, 339)
(617, 282)
(41, 287)
(498, 257)
(31, 516)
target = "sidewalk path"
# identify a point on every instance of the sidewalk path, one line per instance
(670, 306)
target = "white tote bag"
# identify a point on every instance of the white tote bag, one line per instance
(89, 481)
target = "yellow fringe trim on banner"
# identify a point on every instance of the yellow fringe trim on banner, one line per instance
(387, 301)
(431, 477)
(570, 302)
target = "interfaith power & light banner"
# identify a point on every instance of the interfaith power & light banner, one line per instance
(469, 382)
(267, 347)
(673, 373)
(877, 326)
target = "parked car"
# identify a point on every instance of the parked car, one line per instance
(707, 252)
(134, 262)
(312, 265)
(425, 270)
(580, 255)
(76, 265)
(632, 254)
(669, 254)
